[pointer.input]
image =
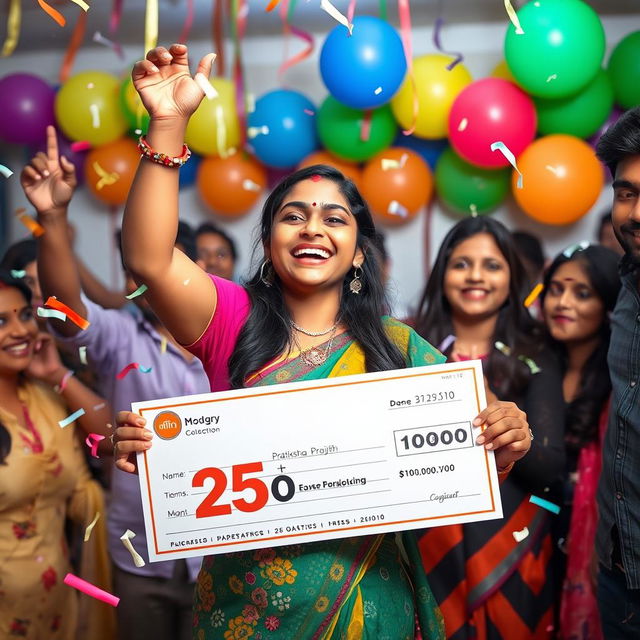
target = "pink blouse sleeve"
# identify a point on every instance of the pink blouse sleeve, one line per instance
(215, 346)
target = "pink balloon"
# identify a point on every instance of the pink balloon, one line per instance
(487, 111)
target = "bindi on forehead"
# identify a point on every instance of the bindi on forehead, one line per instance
(315, 178)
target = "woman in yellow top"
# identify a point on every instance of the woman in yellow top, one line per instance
(44, 479)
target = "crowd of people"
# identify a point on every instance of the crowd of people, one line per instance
(562, 415)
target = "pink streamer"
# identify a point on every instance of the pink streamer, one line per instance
(90, 589)
(188, 21)
(404, 13)
(92, 441)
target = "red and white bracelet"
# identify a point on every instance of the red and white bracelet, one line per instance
(162, 158)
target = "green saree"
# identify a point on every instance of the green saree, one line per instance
(349, 589)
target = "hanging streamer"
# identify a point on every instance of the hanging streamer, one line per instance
(286, 12)
(513, 16)
(351, 10)
(82, 4)
(13, 28)
(74, 44)
(114, 24)
(438, 44)
(326, 5)
(51, 12)
(239, 13)
(508, 154)
(405, 31)
(151, 25)
(100, 39)
(272, 5)
(383, 10)
(188, 22)
(218, 36)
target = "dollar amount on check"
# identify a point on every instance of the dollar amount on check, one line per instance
(306, 461)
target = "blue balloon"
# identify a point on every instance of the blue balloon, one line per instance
(430, 150)
(290, 134)
(189, 171)
(371, 60)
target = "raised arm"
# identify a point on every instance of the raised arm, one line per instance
(48, 182)
(180, 293)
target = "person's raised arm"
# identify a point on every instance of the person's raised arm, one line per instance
(180, 293)
(48, 182)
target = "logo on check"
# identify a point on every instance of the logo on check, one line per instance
(167, 425)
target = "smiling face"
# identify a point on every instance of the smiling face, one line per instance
(625, 213)
(18, 331)
(476, 279)
(216, 254)
(313, 242)
(573, 311)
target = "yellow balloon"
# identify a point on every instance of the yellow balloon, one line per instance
(214, 128)
(436, 88)
(501, 70)
(88, 108)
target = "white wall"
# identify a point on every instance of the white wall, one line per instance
(482, 46)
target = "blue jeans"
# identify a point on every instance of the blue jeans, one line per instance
(619, 606)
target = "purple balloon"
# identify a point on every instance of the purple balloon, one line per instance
(64, 149)
(26, 108)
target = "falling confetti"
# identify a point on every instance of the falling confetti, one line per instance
(81, 145)
(138, 292)
(508, 154)
(163, 345)
(102, 405)
(392, 163)
(396, 209)
(82, 352)
(545, 504)
(519, 536)
(51, 313)
(579, 246)
(130, 367)
(90, 589)
(533, 367)
(92, 441)
(5, 171)
(126, 541)
(89, 529)
(309, 112)
(553, 76)
(502, 348)
(533, 296)
(446, 343)
(72, 418)
(105, 178)
(35, 227)
(95, 115)
(254, 132)
(325, 5)
(250, 185)
(77, 319)
(513, 16)
(18, 273)
(56, 15)
(463, 124)
(474, 210)
(378, 91)
(82, 4)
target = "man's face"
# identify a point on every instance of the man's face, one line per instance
(214, 251)
(625, 214)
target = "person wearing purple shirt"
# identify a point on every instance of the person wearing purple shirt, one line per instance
(155, 600)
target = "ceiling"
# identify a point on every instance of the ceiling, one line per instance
(40, 32)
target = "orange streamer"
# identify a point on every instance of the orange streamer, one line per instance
(54, 303)
(49, 10)
(272, 5)
(74, 44)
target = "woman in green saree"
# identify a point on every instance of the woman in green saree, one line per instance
(320, 270)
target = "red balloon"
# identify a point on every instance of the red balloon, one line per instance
(487, 111)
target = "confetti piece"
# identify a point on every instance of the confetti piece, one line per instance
(325, 5)
(553, 76)
(474, 210)
(396, 209)
(138, 292)
(106, 178)
(90, 589)
(146, 369)
(378, 91)
(502, 348)
(95, 115)
(392, 163)
(251, 103)
(272, 5)
(513, 16)
(33, 225)
(446, 343)
(102, 405)
(579, 246)
(138, 132)
(206, 86)
(186, 282)
(82, 4)
(18, 273)
(309, 112)
(533, 296)
(250, 185)
(533, 367)
(82, 352)
(92, 441)
(130, 367)
(463, 124)
(519, 536)
(545, 504)
(52, 13)
(506, 152)
(126, 541)
(72, 418)
(81, 145)
(89, 529)
(557, 171)
(51, 313)
(253, 132)
(163, 345)
(14, 20)
(77, 319)
(5, 171)
(221, 133)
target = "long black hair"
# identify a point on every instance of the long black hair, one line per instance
(508, 375)
(600, 265)
(266, 333)
(8, 281)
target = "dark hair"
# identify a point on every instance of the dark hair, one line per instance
(507, 374)
(380, 244)
(19, 255)
(8, 281)
(184, 236)
(605, 219)
(207, 227)
(583, 413)
(529, 247)
(266, 333)
(620, 140)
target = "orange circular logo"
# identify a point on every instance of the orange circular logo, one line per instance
(167, 425)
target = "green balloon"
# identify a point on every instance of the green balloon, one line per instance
(560, 51)
(624, 70)
(340, 129)
(580, 115)
(467, 189)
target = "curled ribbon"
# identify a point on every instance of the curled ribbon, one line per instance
(92, 441)
(74, 44)
(326, 5)
(508, 154)
(77, 319)
(458, 57)
(13, 28)
(105, 178)
(52, 13)
(286, 13)
(405, 29)
(126, 541)
(89, 529)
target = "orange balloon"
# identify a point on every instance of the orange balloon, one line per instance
(396, 183)
(349, 169)
(232, 185)
(110, 169)
(562, 179)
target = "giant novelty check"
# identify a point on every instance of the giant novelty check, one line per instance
(313, 460)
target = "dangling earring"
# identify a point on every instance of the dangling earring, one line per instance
(267, 280)
(355, 286)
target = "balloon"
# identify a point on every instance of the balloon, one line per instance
(341, 130)
(348, 169)
(364, 69)
(232, 185)
(395, 184)
(488, 111)
(501, 70)
(285, 128)
(430, 150)
(189, 171)
(561, 49)
(467, 189)
(580, 115)
(78, 158)
(436, 88)
(612, 119)
(132, 107)
(88, 108)
(110, 170)
(26, 105)
(562, 179)
(276, 176)
(624, 70)
(214, 128)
